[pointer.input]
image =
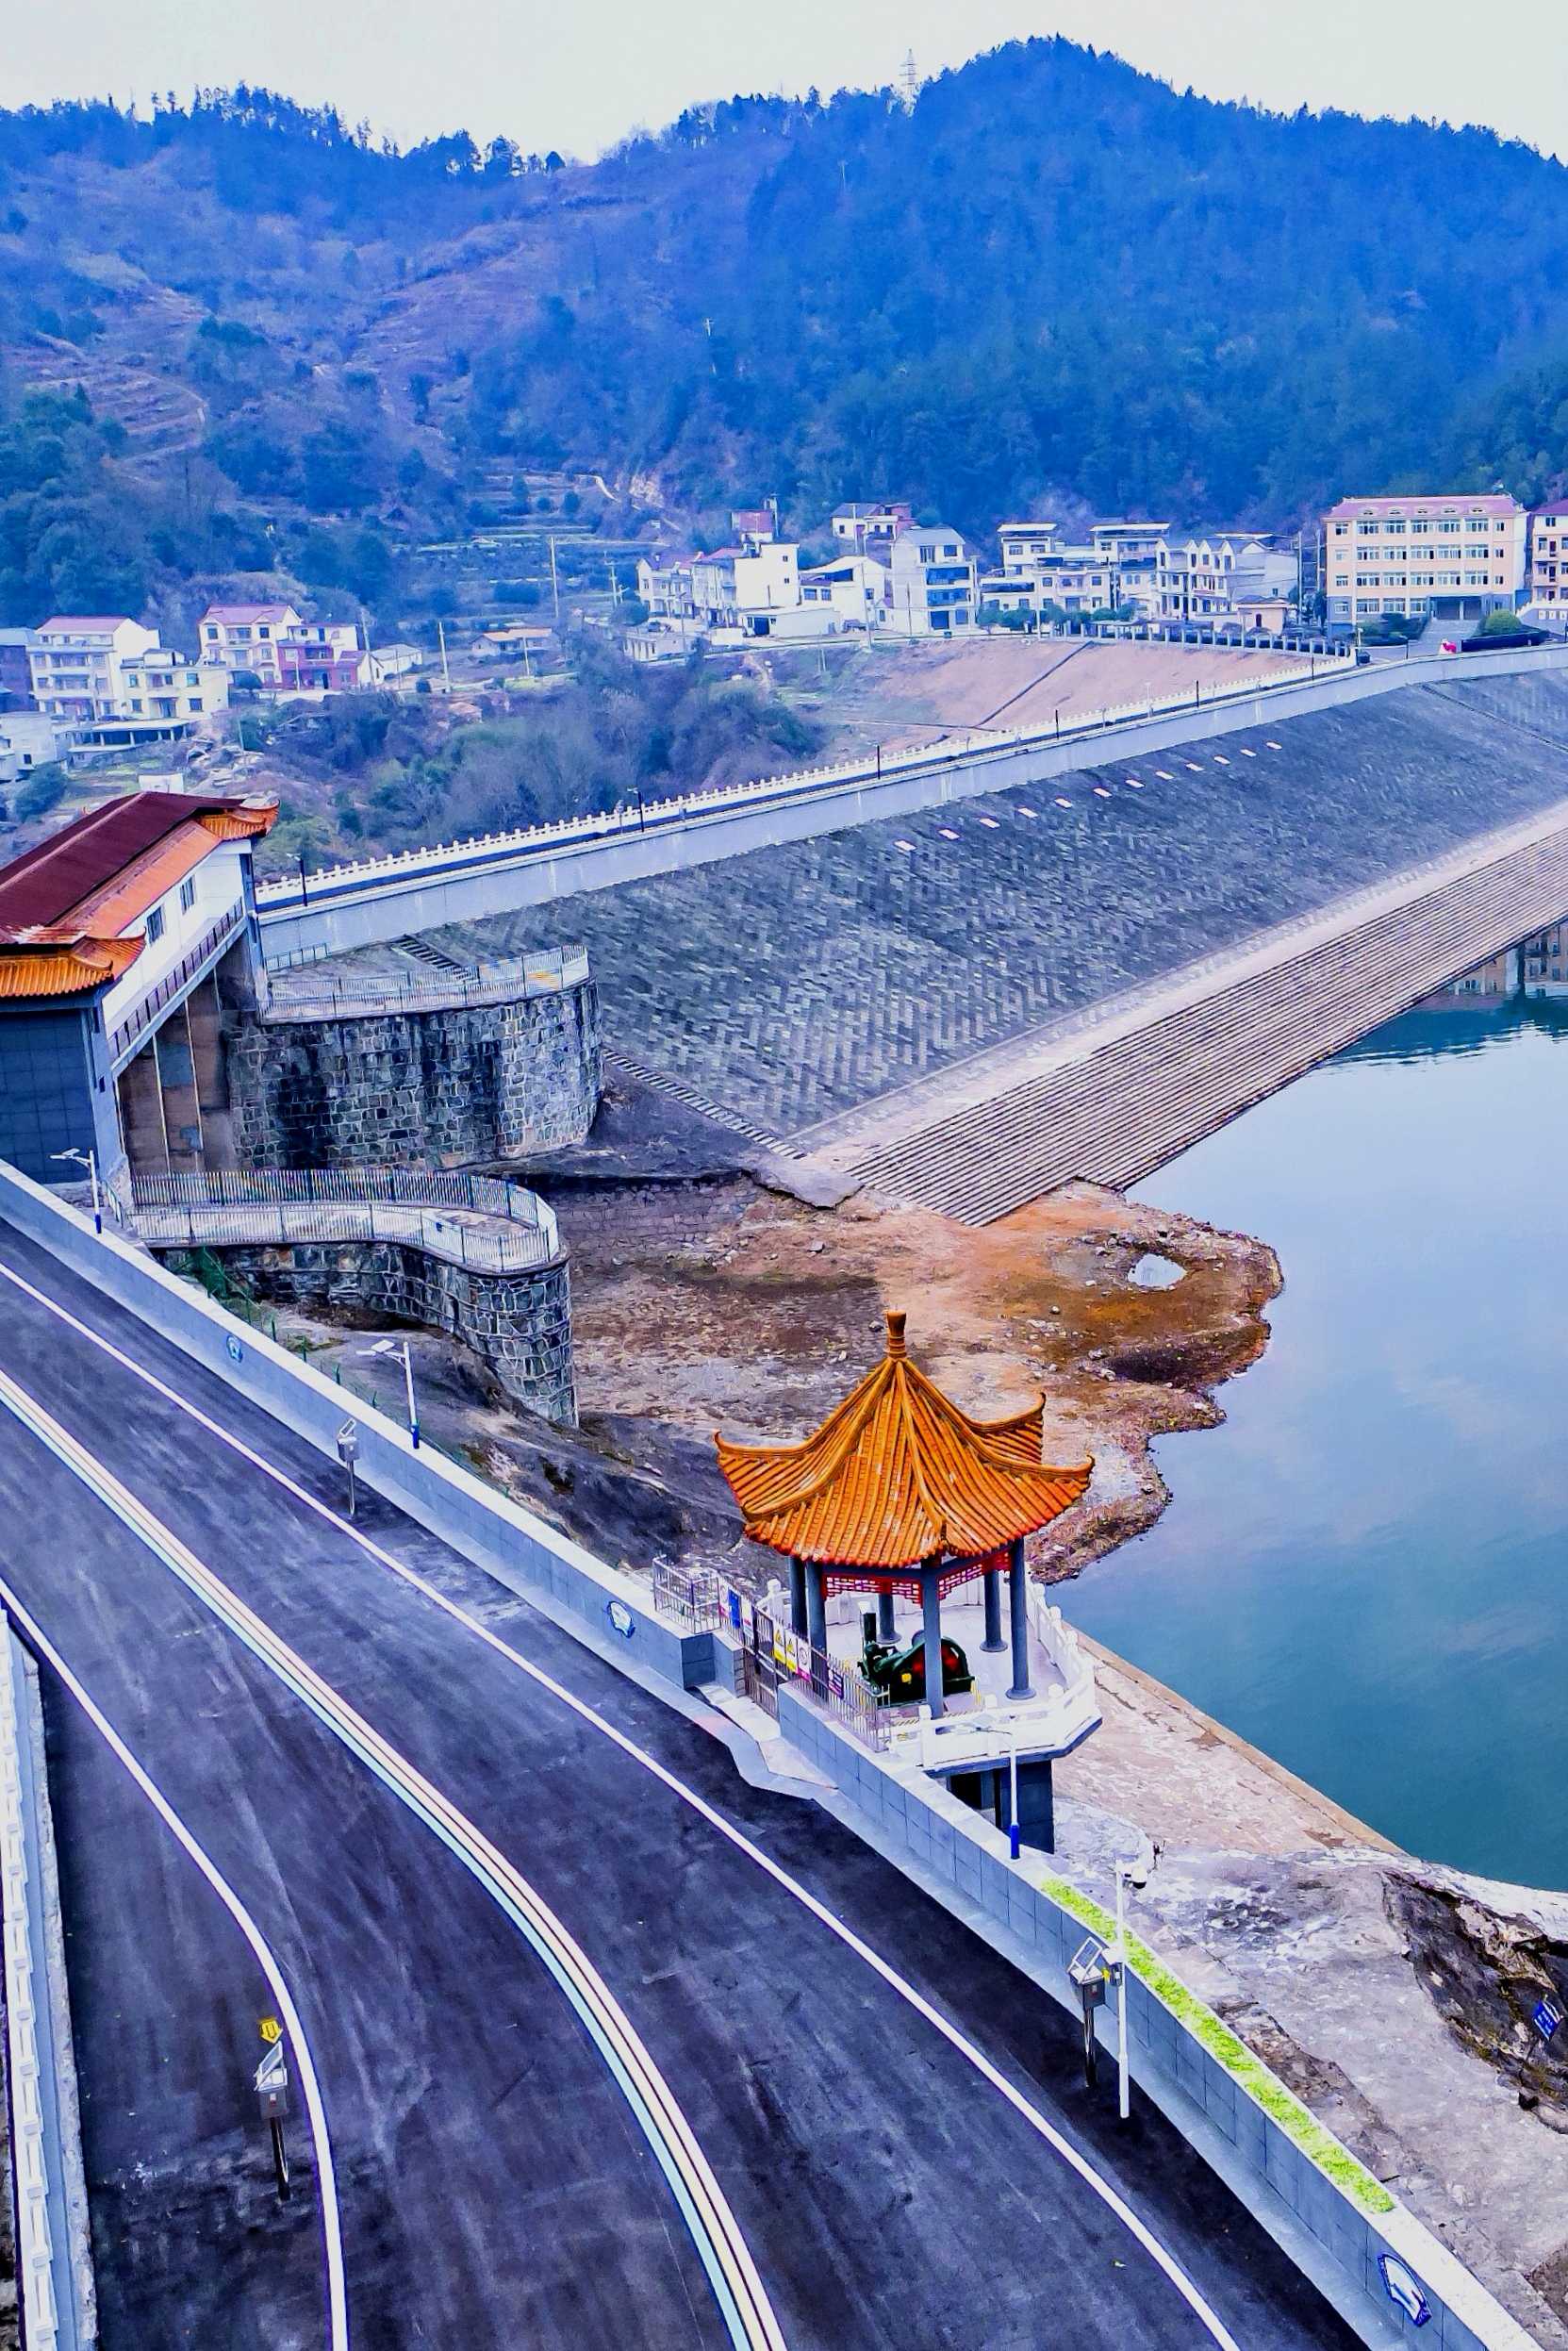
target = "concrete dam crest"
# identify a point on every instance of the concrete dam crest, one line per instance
(969, 1004)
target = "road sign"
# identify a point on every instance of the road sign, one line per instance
(269, 2029)
(1403, 2290)
(1546, 2015)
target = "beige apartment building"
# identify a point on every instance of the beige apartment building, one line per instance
(1448, 556)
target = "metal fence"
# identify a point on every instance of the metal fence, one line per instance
(771, 1653)
(694, 1596)
(237, 1208)
(376, 994)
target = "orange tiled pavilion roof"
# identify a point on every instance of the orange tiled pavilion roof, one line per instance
(899, 1475)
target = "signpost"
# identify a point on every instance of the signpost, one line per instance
(271, 2090)
(1546, 2015)
(1090, 1970)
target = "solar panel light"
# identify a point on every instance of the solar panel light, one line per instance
(396, 1347)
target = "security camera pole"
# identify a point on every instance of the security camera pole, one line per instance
(1136, 1873)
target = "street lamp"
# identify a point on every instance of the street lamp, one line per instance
(1135, 1873)
(393, 1347)
(90, 1161)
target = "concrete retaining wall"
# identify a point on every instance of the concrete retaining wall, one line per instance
(518, 1323)
(414, 1088)
(1329, 2215)
(56, 2289)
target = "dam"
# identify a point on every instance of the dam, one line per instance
(967, 1003)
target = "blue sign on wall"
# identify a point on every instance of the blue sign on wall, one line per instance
(621, 1618)
(1404, 2290)
(1546, 2016)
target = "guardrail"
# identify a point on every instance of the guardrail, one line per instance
(501, 982)
(126, 1031)
(236, 1209)
(980, 747)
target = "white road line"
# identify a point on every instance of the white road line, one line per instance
(326, 2176)
(1138, 2228)
(732, 2273)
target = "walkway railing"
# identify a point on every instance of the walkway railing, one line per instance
(235, 1209)
(501, 982)
(145, 1014)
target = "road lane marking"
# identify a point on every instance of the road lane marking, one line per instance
(732, 2273)
(326, 2176)
(1062, 2146)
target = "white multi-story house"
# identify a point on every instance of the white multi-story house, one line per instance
(244, 638)
(871, 530)
(745, 587)
(102, 670)
(856, 587)
(286, 652)
(1451, 557)
(664, 585)
(933, 583)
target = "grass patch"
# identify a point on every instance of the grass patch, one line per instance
(1298, 2122)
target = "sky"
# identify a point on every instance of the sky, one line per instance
(579, 78)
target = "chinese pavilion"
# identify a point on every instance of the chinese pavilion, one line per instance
(899, 1488)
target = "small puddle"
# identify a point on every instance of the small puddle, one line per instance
(1156, 1273)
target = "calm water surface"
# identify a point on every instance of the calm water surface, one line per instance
(1365, 1571)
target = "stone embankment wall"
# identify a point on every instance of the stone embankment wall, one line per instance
(421, 1088)
(519, 1324)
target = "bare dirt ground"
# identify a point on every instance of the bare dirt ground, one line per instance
(912, 694)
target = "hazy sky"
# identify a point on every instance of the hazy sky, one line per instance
(578, 78)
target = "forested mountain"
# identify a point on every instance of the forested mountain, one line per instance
(1053, 279)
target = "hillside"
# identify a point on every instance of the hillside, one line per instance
(1055, 279)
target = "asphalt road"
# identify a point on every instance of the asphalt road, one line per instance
(493, 2184)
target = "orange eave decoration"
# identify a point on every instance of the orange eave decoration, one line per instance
(239, 824)
(73, 970)
(899, 1475)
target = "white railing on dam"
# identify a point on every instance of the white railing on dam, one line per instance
(476, 1221)
(334, 882)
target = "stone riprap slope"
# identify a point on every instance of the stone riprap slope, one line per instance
(795, 983)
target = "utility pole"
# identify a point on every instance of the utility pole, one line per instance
(446, 673)
(554, 583)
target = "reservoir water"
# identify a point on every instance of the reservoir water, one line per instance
(1366, 1570)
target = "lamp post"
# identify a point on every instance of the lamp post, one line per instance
(90, 1161)
(393, 1347)
(1135, 1873)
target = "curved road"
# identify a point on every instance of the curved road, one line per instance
(868, 2089)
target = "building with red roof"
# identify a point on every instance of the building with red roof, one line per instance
(115, 934)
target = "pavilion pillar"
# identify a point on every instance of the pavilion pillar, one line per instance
(1017, 1594)
(930, 1605)
(993, 1641)
(886, 1629)
(816, 1607)
(798, 1598)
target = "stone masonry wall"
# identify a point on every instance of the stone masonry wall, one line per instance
(414, 1089)
(519, 1324)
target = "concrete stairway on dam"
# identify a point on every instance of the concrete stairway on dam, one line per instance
(1114, 1111)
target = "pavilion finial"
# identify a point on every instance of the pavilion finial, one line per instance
(896, 1346)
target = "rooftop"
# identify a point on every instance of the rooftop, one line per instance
(898, 1474)
(78, 870)
(1430, 501)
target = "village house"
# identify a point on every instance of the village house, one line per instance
(288, 653)
(933, 583)
(1452, 556)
